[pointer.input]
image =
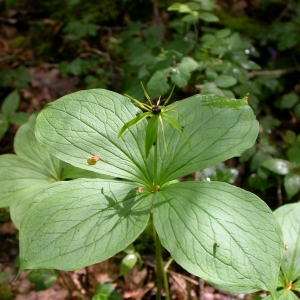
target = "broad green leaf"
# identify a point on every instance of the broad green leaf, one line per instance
(269, 123)
(207, 228)
(174, 7)
(283, 295)
(18, 208)
(77, 223)
(296, 285)
(87, 123)
(27, 148)
(257, 182)
(223, 33)
(183, 8)
(190, 18)
(42, 279)
(217, 127)
(290, 137)
(219, 172)
(211, 74)
(287, 101)
(207, 4)
(19, 118)
(228, 94)
(297, 110)
(277, 166)
(130, 249)
(259, 157)
(157, 85)
(151, 134)
(20, 180)
(208, 17)
(225, 81)
(3, 125)
(293, 153)
(180, 75)
(69, 172)
(249, 65)
(11, 103)
(291, 184)
(105, 291)
(193, 5)
(288, 218)
(211, 88)
(24, 175)
(127, 263)
(190, 63)
(248, 154)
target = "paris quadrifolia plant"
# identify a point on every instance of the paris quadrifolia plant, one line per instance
(221, 233)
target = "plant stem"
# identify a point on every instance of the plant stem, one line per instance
(166, 283)
(159, 269)
(161, 275)
(155, 166)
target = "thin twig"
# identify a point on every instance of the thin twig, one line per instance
(279, 192)
(272, 72)
(201, 289)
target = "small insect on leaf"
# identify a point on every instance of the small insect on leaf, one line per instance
(216, 245)
(157, 188)
(93, 159)
(140, 189)
(286, 247)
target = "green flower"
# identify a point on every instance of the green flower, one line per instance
(157, 114)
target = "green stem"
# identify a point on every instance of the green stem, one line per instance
(159, 268)
(161, 275)
(155, 166)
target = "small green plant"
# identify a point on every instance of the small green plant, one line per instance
(204, 225)
(290, 171)
(129, 260)
(42, 279)
(18, 78)
(8, 112)
(289, 277)
(106, 291)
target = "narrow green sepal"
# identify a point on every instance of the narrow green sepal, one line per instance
(133, 122)
(139, 104)
(151, 134)
(146, 94)
(166, 102)
(172, 122)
